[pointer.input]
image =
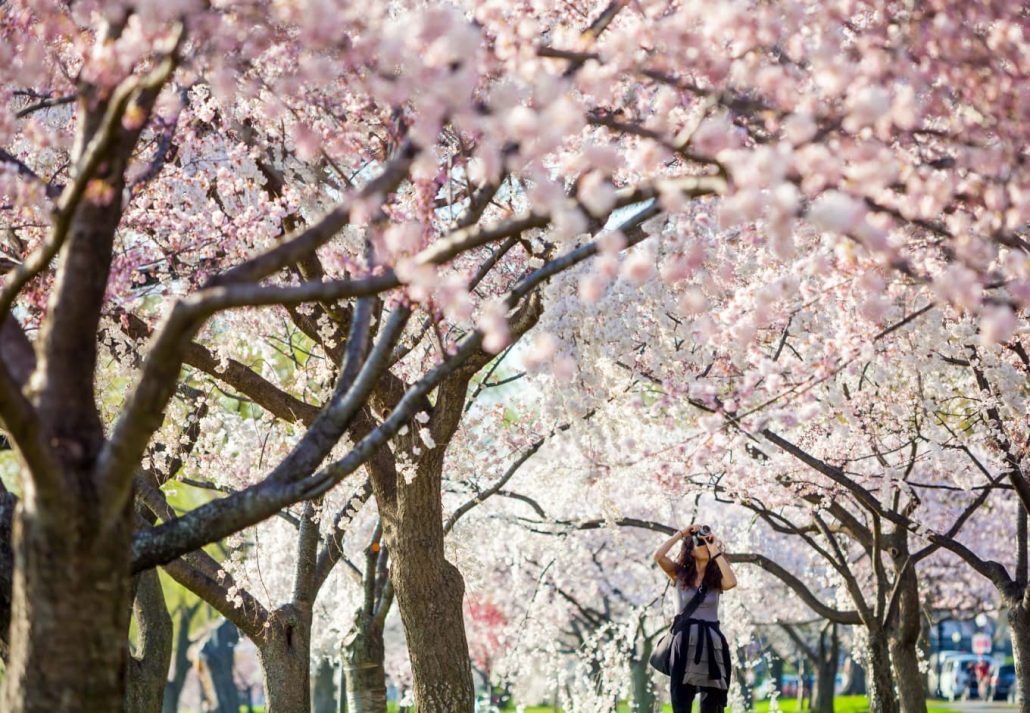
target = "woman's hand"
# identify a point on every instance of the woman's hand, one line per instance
(688, 531)
(714, 545)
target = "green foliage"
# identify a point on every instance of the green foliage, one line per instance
(9, 471)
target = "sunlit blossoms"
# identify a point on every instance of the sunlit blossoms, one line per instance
(348, 288)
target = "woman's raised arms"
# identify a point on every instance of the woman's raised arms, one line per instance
(715, 549)
(661, 554)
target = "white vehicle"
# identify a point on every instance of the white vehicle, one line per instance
(936, 663)
(958, 679)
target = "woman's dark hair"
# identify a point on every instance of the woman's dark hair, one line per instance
(686, 569)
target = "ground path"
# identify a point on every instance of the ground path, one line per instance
(979, 707)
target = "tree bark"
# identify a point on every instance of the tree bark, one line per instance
(1019, 628)
(911, 693)
(904, 630)
(879, 682)
(826, 670)
(148, 668)
(285, 655)
(8, 505)
(822, 696)
(70, 613)
(429, 589)
(363, 670)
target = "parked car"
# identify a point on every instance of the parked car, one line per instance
(1002, 678)
(958, 679)
(936, 663)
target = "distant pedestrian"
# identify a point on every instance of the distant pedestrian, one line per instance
(983, 678)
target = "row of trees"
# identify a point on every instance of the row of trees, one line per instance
(260, 253)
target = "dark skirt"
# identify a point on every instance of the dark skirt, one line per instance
(700, 665)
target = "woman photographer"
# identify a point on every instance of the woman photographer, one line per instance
(700, 654)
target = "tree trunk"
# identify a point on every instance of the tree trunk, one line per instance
(825, 680)
(643, 686)
(286, 659)
(428, 588)
(826, 670)
(8, 506)
(802, 683)
(911, 694)
(323, 690)
(173, 687)
(1019, 629)
(342, 700)
(878, 677)
(148, 667)
(70, 613)
(430, 596)
(363, 669)
(905, 627)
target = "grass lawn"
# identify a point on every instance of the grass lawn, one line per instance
(842, 704)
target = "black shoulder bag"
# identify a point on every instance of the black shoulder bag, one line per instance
(661, 655)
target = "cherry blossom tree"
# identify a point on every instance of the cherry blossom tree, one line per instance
(108, 200)
(874, 435)
(397, 185)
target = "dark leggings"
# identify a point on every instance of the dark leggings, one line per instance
(683, 699)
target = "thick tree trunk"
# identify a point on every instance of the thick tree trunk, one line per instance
(429, 589)
(904, 631)
(148, 667)
(879, 682)
(911, 693)
(363, 670)
(286, 659)
(1019, 629)
(430, 600)
(323, 689)
(70, 614)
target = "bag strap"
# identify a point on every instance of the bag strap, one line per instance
(693, 604)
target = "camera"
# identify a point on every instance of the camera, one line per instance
(702, 532)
